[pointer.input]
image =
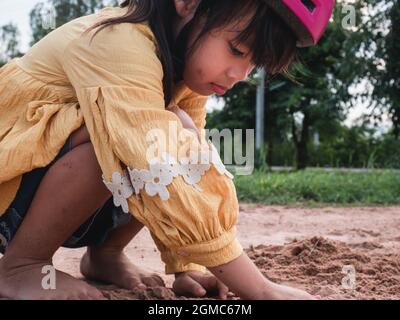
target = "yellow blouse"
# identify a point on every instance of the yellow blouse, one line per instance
(113, 85)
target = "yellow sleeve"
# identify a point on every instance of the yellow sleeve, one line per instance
(190, 209)
(195, 106)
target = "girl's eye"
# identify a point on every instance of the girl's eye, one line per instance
(235, 51)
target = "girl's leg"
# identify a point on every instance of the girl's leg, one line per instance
(108, 263)
(69, 193)
(243, 278)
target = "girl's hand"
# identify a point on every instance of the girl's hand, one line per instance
(186, 120)
(198, 284)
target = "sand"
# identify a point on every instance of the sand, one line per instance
(331, 269)
(333, 253)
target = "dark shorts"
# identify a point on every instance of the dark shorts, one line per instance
(92, 232)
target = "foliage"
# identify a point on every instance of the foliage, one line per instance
(310, 187)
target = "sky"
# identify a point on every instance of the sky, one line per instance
(17, 11)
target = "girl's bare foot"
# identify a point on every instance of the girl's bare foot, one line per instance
(22, 280)
(114, 267)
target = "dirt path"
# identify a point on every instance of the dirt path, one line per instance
(307, 248)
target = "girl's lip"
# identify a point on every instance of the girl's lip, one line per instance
(220, 90)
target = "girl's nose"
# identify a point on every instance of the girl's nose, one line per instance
(239, 73)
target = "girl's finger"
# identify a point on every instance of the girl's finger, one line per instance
(188, 287)
(212, 284)
(223, 290)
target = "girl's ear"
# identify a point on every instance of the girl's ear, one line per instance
(186, 8)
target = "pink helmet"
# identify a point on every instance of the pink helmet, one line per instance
(307, 18)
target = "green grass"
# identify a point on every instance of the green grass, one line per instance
(316, 187)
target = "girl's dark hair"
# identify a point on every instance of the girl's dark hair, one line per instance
(271, 42)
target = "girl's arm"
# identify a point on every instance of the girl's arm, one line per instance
(195, 283)
(241, 276)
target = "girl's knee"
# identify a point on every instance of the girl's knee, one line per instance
(80, 136)
(81, 163)
(81, 160)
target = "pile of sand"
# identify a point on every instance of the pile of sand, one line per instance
(331, 269)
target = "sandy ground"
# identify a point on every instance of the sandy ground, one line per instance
(334, 253)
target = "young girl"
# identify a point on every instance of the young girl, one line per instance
(77, 113)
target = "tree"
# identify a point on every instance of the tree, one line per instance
(61, 11)
(317, 101)
(387, 77)
(376, 42)
(9, 39)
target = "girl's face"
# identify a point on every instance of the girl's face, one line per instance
(217, 64)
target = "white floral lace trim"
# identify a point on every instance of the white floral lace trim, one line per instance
(161, 173)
